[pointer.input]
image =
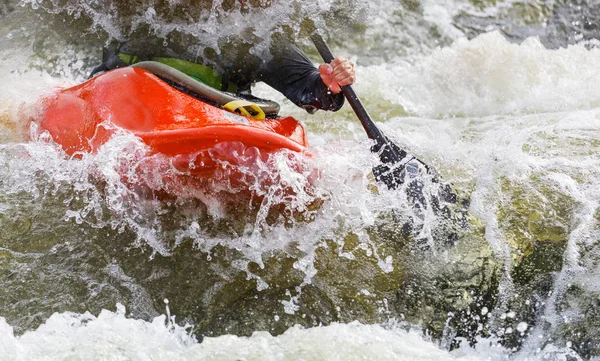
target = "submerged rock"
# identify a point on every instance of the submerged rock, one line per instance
(372, 279)
(229, 275)
(407, 266)
(535, 218)
(572, 313)
(222, 275)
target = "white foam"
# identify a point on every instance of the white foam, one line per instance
(489, 75)
(113, 336)
(479, 106)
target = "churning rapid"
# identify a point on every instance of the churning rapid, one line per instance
(101, 259)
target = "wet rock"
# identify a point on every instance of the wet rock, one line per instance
(535, 218)
(572, 311)
(6, 7)
(370, 276)
(448, 289)
(48, 265)
(572, 22)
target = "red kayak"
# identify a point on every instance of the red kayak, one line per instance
(170, 121)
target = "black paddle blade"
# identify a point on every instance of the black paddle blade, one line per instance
(398, 167)
(392, 170)
(388, 151)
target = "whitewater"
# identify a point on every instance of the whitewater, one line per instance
(492, 94)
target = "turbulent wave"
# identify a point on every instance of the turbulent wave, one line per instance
(489, 75)
(113, 336)
(499, 97)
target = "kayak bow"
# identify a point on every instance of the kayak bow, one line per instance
(170, 121)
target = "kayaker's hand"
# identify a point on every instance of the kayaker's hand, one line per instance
(338, 73)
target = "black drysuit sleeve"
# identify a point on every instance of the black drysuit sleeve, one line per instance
(290, 72)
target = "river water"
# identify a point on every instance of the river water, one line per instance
(501, 97)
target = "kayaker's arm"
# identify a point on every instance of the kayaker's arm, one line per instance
(294, 75)
(287, 70)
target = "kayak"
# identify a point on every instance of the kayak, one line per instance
(174, 114)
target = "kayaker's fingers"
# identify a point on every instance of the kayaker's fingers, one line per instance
(326, 71)
(335, 88)
(338, 73)
(343, 71)
(347, 81)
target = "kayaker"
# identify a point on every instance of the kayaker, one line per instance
(284, 67)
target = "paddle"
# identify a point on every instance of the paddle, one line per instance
(392, 170)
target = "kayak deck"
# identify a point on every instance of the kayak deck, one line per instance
(84, 117)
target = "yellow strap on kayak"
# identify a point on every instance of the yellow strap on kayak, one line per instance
(246, 108)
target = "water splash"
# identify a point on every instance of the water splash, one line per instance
(510, 124)
(112, 335)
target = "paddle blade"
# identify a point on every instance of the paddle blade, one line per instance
(391, 171)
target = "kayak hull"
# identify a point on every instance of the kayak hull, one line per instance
(83, 118)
